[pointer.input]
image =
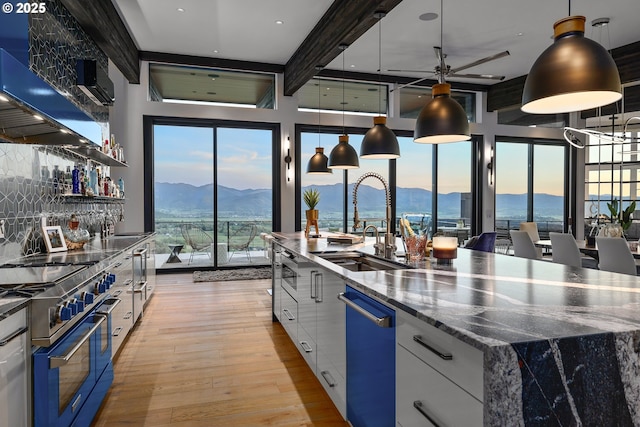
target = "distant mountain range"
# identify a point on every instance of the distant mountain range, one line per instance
(178, 200)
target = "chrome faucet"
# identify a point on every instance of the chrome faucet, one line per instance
(379, 248)
(389, 239)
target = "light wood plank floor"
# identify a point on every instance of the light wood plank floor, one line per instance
(208, 354)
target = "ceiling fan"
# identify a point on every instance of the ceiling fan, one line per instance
(443, 71)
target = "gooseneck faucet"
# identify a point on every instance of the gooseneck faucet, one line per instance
(389, 239)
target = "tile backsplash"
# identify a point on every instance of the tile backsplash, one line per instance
(28, 193)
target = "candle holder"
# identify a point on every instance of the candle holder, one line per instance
(445, 249)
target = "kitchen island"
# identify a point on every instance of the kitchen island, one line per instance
(559, 345)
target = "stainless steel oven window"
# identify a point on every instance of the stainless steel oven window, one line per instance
(73, 374)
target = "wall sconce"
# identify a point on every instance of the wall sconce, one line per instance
(490, 167)
(287, 159)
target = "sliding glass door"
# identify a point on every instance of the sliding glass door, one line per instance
(213, 193)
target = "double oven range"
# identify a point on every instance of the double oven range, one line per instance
(70, 326)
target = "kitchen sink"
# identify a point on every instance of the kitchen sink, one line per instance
(359, 261)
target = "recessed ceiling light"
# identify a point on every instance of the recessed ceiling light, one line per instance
(213, 76)
(180, 9)
(215, 51)
(279, 22)
(429, 16)
(352, 66)
(520, 34)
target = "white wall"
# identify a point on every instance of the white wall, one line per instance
(132, 103)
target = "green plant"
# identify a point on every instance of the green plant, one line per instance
(621, 216)
(311, 197)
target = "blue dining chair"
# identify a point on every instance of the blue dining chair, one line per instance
(485, 242)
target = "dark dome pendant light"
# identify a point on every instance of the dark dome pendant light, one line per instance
(573, 74)
(318, 164)
(379, 142)
(442, 119)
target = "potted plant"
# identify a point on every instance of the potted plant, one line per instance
(621, 218)
(311, 198)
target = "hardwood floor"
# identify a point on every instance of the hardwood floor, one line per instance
(208, 354)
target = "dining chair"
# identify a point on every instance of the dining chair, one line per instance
(523, 246)
(485, 242)
(614, 255)
(532, 229)
(564, 249)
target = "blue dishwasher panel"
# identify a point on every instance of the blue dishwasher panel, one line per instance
(371, 361)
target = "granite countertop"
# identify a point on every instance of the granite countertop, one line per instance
(561, 345)
(489, 299)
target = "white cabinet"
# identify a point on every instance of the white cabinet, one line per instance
(15, 353)
(276, 278)
(331, 338)
(122, 314)
(439, 379)
(322, 329)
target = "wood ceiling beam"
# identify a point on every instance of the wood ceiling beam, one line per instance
(509, 93)
(344, 22)
(101, 21)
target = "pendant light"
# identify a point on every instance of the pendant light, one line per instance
(573, 74)
(319, 161)
(343, 155)
(379, 142)
(442, 119)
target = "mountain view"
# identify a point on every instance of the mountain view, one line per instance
(180, 200)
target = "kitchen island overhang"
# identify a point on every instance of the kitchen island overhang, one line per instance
(560, 344)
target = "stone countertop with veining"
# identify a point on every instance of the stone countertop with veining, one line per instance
(569, 333)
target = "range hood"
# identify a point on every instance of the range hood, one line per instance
(32, 112)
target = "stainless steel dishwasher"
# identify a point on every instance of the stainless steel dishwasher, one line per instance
(371, 360)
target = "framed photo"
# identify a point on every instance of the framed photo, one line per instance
(54, 238)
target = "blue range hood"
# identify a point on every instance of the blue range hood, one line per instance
(24, 95)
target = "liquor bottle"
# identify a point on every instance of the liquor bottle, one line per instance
(75, 180)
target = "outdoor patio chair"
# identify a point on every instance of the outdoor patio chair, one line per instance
(198, 239)
(241, 238)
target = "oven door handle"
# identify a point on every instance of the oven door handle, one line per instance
(112, 303)
(58, 361)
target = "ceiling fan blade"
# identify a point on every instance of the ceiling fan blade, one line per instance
(477, 76)
(481, 61)
(409, 71)
(409, 84)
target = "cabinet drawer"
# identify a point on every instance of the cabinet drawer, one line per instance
(430, 344)
(334, 382)
(306, 346)
(419, 385)
(289, 315)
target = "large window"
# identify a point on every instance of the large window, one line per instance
(211, 86)
(530, 185)
(212, 192)
(612, 171)
(335, 211)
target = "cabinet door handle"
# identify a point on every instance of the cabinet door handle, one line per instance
(328, 378)
(440, 354)
(383, 322)
(288, 314)
(319, 288)
(312, 278)
(128, 315)
(418, 405)
(117, 331)
(306, 347)
(10, 337)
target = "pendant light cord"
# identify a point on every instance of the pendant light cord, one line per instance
(318, 112)
(343, 132)
(380, 65)
(441, 64)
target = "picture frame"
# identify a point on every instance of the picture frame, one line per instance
(54, 239)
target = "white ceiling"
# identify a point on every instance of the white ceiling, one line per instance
(247, 30)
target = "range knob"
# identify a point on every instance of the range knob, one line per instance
(71, 304)
(63, 314)
(87, 297)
